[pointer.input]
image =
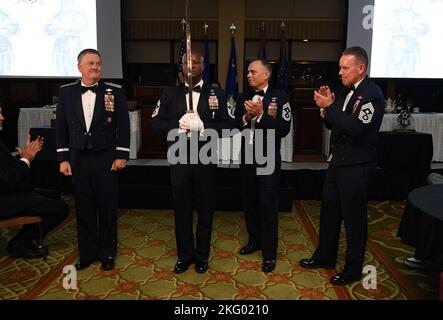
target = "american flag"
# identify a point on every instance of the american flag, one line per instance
(182, 50)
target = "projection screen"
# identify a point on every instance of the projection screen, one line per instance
(41, 38)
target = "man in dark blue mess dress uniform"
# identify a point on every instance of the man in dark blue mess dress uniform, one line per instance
(354, 117)
(92, 128)
(190, 181)
(262, 110)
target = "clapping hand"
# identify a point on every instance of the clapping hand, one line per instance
(32, 148)
(323, 97)
(253, 109)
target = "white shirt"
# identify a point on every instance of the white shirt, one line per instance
(254, 120)
(195, 96)
(348, 97)
(88, 104)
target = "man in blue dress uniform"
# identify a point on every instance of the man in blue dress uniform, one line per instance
(354, 117)
(92, 128)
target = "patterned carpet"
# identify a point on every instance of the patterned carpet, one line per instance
(146, 257)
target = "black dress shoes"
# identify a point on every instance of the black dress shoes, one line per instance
(248, 249)
(268, 265)
(342, 279)
(314, 264)
(201, 266)
(182, 265)
(80, 265)
(17, 249)
(107, 263)
(42, 251)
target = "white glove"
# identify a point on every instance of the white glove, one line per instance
(196, 124)
(184, 122)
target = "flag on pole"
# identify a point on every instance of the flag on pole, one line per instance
(231, 81)
(206, 70)
(262, 49)
(282, 75)
(181, 52)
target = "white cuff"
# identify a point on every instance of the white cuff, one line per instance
(28, 163)
(322, 112)
(245, 123)
(259, 118)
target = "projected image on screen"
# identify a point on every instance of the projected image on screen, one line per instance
(406, 39)
(43, 37)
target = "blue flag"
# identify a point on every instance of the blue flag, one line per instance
(262, 49)
(231, 81)
(282, 75)
(206, 70)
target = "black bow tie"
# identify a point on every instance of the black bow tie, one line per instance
(259, 93)
(92, 88)
(195, 89)
(352, 88)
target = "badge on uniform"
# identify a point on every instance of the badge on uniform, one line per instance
(213, 102)
(109, 100)
(356, 103)
(156, 110)
(109, 120)
(366, 113)
(231, 107)
(272, 108)
(286, 112)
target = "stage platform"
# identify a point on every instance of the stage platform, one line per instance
(145, 183)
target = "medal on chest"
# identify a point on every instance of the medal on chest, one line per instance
(213, 102)
(356, 103)
(109, 100)
(272, 108)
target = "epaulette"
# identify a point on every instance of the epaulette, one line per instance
(68, 84)
(113, 85)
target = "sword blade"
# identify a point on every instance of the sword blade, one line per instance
(189, 56)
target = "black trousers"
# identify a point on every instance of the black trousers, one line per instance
(96, 198)
(43, 203)
(345, 198)
(260, 200)
(191, 182)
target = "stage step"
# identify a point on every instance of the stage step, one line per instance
(148, 187)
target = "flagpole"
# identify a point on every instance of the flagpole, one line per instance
(189, 57)
(231, 81)
(206, 69)
(183, 23)
(232, 28)
(262, 49)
